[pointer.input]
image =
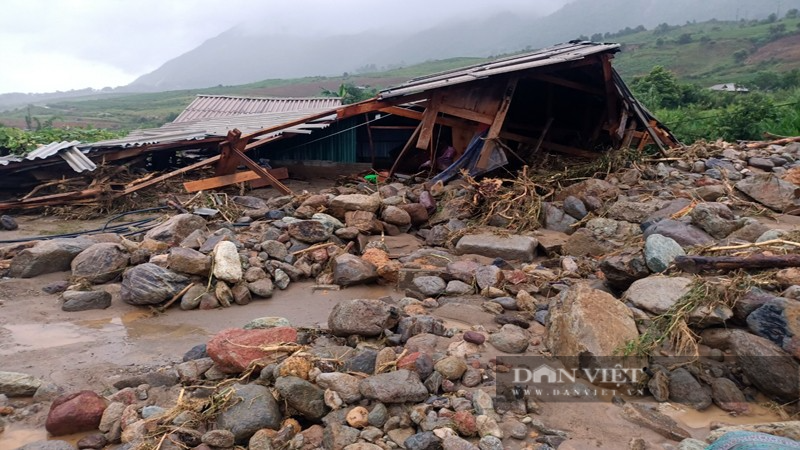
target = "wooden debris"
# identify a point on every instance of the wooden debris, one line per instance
(697, 264)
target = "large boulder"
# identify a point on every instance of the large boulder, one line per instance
(100, 263)
(512, 246)
(234, 349)
(303, 396)
(754, 354)
(684, 234)
(400, 386)
(74, 413)
(349, 270)
(772, 192)
(176, 229)
(253, 409)
(14, 384)
(50, 256)
(588, 322)
(149, 284)
(310, 231)
(187, 260)
(362, 317)
(354, 202)
(778, 321)
(227, 264)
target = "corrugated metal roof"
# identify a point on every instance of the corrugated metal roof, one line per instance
(201, 129)
(561, 53)
(68, 151)
(214, 106)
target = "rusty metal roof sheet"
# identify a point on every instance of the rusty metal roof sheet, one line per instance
(218, 127)
(572, 51)
(214, 106)
(67, 150)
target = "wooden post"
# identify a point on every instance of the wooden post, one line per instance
(497, 125)
(371, 144)
(429, 121)
(228, 161)
(408, 145)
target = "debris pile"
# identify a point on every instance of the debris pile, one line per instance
(687, 263)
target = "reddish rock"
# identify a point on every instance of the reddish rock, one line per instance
(235, 348)
(465, 423)
(409, 362)
(75, 413)
(473, 337)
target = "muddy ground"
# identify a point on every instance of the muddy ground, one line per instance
(92, 349)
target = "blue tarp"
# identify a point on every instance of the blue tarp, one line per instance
(469, 160)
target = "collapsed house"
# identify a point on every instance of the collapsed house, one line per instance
(565, 99)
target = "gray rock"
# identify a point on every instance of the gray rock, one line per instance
(281, 279)
(350, 270)
(219, 438)
(75, 301)
(414, 325)
(275, 249)
(379, 415)
(776, 320)
(310, 231)
(345, 385)
(575, 207)
(657, 294)
(303, 396)
(227, 264)
(396, 216)
(772, 192)
(354, 202)
(685, 389)
(753, 353)
(338, 436)
(555, 219)
(716, 219)
(592, 187)
(331, 222)
(727, 396)
(423, 441)
(15, 384)
(488, 276)
(623, 269)
(100, 263)
(457, 287)
(223, 234)
(599, 237)
(362, 317)
(261, 288)
(451, 367)
(430, 286)
(186, 260)
(364, 361)
(191, 299)
(176, 228)
(761, 163)
(249, 201)
(510, 339)
(400, 386)
(257, 409)
(8, 223)
(456, 443)
(490, 443)
(267, 322)
(149, 284)
(684, 234)
(50, 256)
(660, 251)
(634, 212)
(511, 247)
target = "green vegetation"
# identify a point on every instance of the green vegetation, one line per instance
(18, 141)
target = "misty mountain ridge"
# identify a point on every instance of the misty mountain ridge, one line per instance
(238, 56)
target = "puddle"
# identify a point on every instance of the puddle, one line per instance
(28, 337)
(713, 414)
(16, 436)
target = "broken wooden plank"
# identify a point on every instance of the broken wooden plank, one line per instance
(697, 264)
(428, 122)
(467, 114)
(262, 172)
(497, 124)
(406, 148)
(226, 180)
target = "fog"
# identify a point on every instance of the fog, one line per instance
(49, 45)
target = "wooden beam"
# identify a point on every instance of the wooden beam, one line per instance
(497, 124)
(373, 105)
(559, 148)
(612, 100)
(406, 148)
(169, 175)
(466, 114)
(226, 180)
(262, 172)
(228, 162)
(552, 79)
(429, 121)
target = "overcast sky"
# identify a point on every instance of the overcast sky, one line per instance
(48, 45)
